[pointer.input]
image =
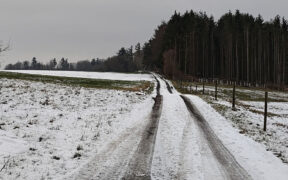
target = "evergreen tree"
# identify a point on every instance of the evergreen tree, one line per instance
(34, 63)
(238, 47)
(138, 49)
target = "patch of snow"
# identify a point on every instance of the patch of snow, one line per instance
(11, 145)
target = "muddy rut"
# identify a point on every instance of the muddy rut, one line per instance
(140, 165)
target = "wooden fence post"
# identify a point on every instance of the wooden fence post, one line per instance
(233, 98)
(203, 87)
(216, 90)
(265, 111)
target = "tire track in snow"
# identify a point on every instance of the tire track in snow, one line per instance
(110, 161)
(186, 166)
(140, 165)
(169, 88)
(231, 167)
(130, 155)
(197, 160)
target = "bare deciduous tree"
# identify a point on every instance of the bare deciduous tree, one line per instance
(3, 48)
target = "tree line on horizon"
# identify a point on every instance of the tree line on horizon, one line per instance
(238, 47)
(126, 60)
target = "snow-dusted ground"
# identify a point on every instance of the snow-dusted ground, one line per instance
(93, 75)
(167, 153)
(249, 119)
(48, 130)
(181, 150)
(252, 156)
(45, 125)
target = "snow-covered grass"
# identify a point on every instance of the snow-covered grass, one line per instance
(83, 82)
(47, 129)
(249, 116)
(90, 75)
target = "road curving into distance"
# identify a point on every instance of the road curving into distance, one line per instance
(152, 149)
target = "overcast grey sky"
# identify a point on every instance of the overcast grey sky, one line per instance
(81, 29)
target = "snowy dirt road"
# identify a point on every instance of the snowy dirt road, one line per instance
(170, 143)
(179, 137)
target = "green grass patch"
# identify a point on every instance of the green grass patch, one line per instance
(145, 86)
(225, 92)
(246, 96)
(178, 86)
(220, 108)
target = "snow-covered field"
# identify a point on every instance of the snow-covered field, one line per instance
(48, 130)
(93, 75)
(249, 119)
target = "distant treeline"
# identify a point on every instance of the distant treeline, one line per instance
(238, 47)
(126, 60)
